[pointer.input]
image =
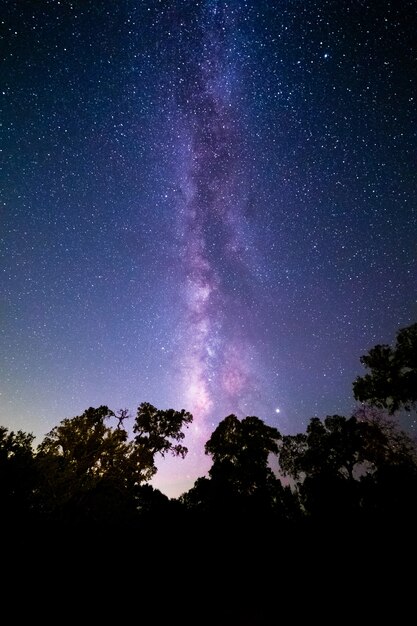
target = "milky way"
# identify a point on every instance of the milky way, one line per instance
(216, 362)
(214, 358)
(207, 205)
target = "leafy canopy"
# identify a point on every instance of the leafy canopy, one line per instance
(392, 379)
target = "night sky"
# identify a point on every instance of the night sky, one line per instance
(205, 205)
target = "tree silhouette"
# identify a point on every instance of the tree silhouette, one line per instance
(17, 474)
(339, 463)
(92, 471)
(89, 471)
(155, 429)
(322, 462)
(390, 485)
(240, 451)
(392, 381)
(241, 479)
(121, 416)
(332, 446)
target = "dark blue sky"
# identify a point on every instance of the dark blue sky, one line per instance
(208, 205)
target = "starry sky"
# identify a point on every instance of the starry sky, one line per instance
(207, 205)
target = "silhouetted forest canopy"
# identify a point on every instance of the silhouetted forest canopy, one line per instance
(360, 469)
(341, 505)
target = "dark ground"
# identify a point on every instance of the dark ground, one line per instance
(221, 575)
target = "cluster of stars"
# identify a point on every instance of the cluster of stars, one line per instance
(206, 205)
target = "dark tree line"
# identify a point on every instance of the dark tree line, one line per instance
(86, 471)
(89, 471)
(334, 524)
(392, 379)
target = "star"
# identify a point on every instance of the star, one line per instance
(210, 209)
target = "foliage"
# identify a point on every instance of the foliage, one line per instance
(240, 451)
(241, 483)
(155, 429)
(392, 381)
(339, 461)
(332, 446)
(90, 469)
(17, 473)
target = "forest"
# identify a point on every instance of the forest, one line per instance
(353, 477)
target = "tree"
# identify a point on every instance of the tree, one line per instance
(331, 446)
(390, 485)
(384, 443)
(339, 463)
(392, 381)
(157, 431)
(17, 474)
(86, 468)
(322, 463)
(240, 451)
(241, 481)
(91, 470)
